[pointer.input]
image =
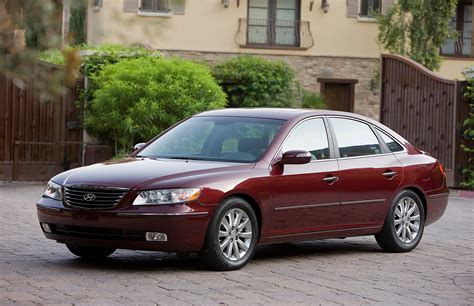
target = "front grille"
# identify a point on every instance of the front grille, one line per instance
(92, 197)
(97, 233)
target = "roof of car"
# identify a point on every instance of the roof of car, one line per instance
(272, 113)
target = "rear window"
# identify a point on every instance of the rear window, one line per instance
(391, 143)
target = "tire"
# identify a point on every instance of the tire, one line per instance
(404, 224)
(90, 253)
(238, 240)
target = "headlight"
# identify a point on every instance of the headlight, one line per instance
(167, 196)
(53, 191)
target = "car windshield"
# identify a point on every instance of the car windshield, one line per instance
(231, 139)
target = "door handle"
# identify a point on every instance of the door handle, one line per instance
(390, 174)
(331, 179)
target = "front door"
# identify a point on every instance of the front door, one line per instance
(303, 199)
(338, 93)
(273, 22)
(369, 173)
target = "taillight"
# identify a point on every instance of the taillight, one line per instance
(441, 168)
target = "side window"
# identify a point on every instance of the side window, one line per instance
(354, 138)
(392, 144)
(310, 136)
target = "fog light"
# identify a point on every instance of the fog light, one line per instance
(46, 228)
(153, 236)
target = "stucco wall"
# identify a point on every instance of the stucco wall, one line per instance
(452, 68)
(207, 26)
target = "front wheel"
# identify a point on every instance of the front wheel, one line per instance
(404, 223)
(90, 253)
(232, 236)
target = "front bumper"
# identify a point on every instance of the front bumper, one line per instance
(185, 226)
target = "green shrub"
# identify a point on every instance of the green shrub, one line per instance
(468, 172)
(309, 99)
(252, 81)
(135, 99)
(93, 57)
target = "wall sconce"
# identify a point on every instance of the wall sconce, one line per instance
(311, 3)
(325, 6)
(226, 3)
(374, 87)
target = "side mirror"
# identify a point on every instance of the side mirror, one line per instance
(295, 157)
(138, 146)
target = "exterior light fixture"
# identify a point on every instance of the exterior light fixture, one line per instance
(226, 3)
(325, 6)
(374, 87)
(311, 3)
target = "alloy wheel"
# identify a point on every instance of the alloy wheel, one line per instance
(407, 220)
(235, 234)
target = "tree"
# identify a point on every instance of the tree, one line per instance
(77, 23)
(417, 29)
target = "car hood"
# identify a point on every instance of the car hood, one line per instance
(138, 173)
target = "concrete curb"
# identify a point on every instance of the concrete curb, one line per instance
(22, 183)
(461, 193)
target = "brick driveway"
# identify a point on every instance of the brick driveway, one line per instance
(351, 271)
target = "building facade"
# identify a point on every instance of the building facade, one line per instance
(331, 44)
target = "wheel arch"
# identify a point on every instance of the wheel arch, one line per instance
(253, 203)
(421, 195)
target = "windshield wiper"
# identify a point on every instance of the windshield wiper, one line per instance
(181, 157)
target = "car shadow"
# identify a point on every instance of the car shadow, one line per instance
(124, 260)
(332, 247)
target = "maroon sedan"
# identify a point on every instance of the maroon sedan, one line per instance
(223, 181)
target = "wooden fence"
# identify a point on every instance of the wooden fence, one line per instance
(427, 110)
(40, 135)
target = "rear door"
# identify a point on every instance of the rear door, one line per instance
(369, 173)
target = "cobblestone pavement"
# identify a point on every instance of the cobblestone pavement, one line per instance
(34, 270)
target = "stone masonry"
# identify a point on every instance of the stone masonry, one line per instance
(310, 68)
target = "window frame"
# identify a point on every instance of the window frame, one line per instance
(367, 18)
(459, 28)
(154, 12)
(384, 150)
(332, 152)
(271, 27)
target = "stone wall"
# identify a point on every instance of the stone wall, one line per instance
(310, 68)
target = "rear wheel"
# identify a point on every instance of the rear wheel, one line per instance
(404, 223)
(232, 236)
(90, 252)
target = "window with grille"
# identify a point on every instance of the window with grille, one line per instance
(369, 8)
(156, 6)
